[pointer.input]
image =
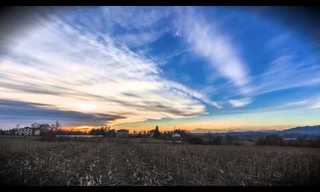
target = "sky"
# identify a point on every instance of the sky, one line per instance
(195, 68)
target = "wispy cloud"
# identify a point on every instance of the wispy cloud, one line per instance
(286, 72)
(305, 104)
(140, 25)
(210, 43)
(141, 38)
(68, 69)
(316, 105)
(310, 103)
(236, 103)
(135, 18)
(300, 103)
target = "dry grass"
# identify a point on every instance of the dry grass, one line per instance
(122, 162)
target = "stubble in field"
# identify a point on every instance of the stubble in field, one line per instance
(123, 162)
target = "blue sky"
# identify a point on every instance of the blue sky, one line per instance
(219, 68)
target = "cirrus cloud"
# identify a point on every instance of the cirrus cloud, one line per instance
(68, 69)
(210, 43)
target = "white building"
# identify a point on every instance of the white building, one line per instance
(36, 132)
(176, 135)
(290, 139)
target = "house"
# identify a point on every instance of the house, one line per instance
(35, 125)
(176, 135)
(290, 139)
(36, 132)
(176, 138)
(123, 133)
(44, 128)
(26, 131)
(11, 132)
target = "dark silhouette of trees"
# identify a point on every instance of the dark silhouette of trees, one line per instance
(215, 140)
(193, 140)
(104, 130)
(97, 131)
(156, 132)
(270, 140)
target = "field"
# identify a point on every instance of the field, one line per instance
(28, 161)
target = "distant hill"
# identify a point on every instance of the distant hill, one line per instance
(305, 130)
(292, 132)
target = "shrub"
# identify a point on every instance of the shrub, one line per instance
(270, 140)
(194, 140)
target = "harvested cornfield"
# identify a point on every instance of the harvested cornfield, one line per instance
(26, 161)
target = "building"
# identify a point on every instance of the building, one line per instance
(289, 139)
(36, 132)
(44, 128)
(26, 131)
(35, 125)
(176, 135)
(122, 133)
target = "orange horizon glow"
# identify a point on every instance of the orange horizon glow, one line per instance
(258, 121)
(86, 129)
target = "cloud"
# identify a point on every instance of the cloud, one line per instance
(236, 103)
(136, 27)
(316, 106)
(286, 72)
(184, 91)
(69, 69)
(139, 25)
(135, 18)
(14, 112)
(142, 38)
(300, 103)
(208, 42)
(314, 103)
(305, 104)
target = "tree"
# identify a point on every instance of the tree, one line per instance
(156, 132)
(217, 140)
(229, 140)
(194, 140)
(270, 140)
(58, 125)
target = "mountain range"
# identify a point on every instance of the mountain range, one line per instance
(307, 131)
